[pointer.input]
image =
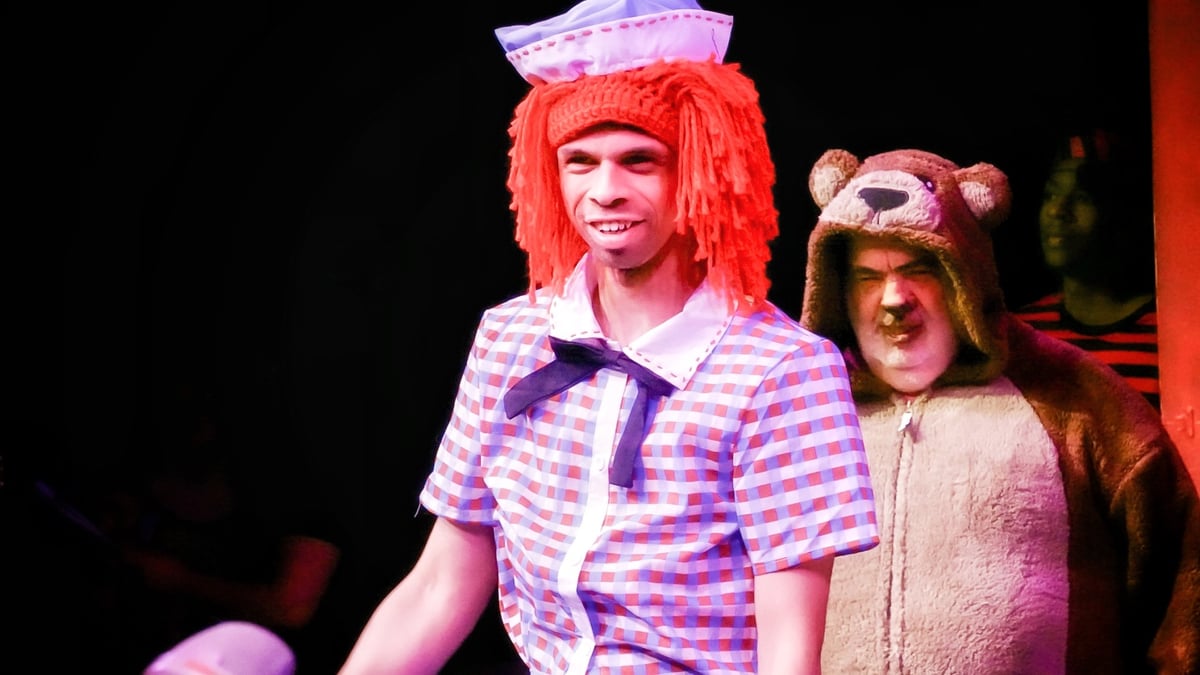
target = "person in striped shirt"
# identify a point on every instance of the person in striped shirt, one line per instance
(649, 464)
(1097, 236)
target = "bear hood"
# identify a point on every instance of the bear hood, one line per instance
(928, 202)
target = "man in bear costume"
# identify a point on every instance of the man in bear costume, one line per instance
(1034, 515)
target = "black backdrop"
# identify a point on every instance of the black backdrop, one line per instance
(303, 206)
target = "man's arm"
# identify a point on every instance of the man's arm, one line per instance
(426, 617)
(790, 609)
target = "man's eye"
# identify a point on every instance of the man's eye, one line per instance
(643, 161)
(577, 162)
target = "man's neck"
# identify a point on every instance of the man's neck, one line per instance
(1098, 306)
(627, 304)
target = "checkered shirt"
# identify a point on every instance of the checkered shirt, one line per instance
(754, 464)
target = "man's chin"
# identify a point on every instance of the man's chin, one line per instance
(906, 379)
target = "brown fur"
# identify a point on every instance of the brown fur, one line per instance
(1135, 591)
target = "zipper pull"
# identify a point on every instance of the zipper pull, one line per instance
(905, 417)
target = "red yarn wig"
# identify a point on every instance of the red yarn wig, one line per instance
(709, 114)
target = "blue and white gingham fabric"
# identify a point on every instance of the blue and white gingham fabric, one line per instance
(755, 464)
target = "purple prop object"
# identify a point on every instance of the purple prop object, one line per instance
(228, 648)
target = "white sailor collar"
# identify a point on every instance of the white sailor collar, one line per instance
(673, 350)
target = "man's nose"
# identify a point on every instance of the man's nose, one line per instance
(895, 292)
(607, 184)
(1056, 207)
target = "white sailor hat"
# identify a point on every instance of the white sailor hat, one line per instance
(598, 37)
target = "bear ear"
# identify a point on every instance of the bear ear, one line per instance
(832, 171)
(986, 191)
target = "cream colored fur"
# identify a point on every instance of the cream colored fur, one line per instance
(960, 595)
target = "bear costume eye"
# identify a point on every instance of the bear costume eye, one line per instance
(927, 183)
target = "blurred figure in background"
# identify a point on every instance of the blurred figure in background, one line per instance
(1097, 234)
(202, 536)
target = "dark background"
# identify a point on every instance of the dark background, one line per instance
(302, 207)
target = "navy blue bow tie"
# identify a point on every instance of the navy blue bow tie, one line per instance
(577, 361)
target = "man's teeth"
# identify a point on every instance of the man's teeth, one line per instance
(610, 228)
